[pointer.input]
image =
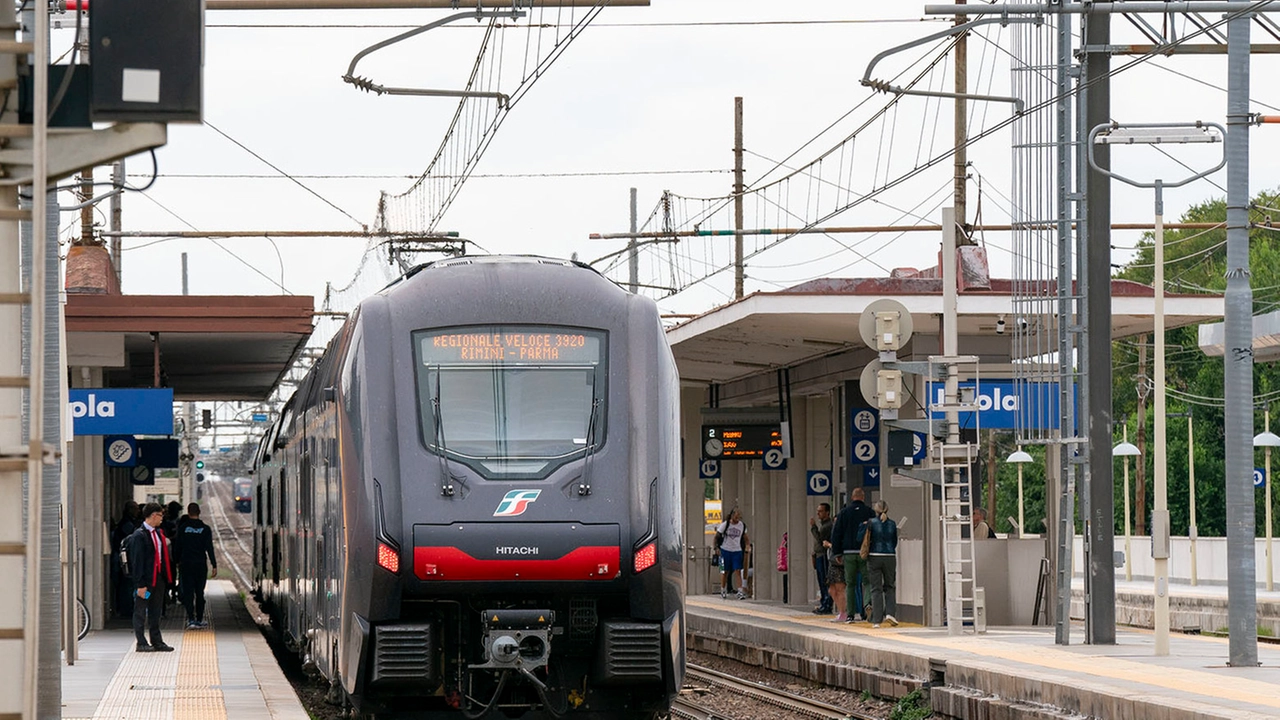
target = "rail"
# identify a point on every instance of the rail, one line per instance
(798, 705)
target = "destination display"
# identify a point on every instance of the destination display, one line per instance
(509, 344)
(740, 442)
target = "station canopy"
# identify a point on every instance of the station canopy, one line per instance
(208, 347)
(766, 331)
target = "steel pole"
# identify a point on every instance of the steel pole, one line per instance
(1242, 601)
(1160, 513)
(1095, 404)
(739, 187)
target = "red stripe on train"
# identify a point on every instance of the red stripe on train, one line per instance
(450, 563)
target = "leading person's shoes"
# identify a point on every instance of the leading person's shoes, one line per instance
(161, 647)
(143, 647)
(891, 620)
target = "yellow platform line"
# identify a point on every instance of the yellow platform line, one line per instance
(1114, 670)
(197, 695)
(1117, 670)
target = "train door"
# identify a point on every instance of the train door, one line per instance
(321, 523)
(274, 528)
(259, 539)
(305, 573)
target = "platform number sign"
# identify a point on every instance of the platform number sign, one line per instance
(709, 470)
(1259, 477)
(864, 451)
(774, 459)
(819, 482)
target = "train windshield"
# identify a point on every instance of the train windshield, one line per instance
(511, 401)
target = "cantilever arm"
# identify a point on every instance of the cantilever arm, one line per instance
(369, 85)
(965, 27)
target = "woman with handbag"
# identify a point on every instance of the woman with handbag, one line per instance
(881, 545)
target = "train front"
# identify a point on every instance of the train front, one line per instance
(528, 538)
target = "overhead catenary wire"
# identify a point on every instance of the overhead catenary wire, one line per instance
(273, 166)
(815, 218)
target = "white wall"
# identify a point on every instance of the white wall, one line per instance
(1211, 559)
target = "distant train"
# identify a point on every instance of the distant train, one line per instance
(471, 505)
(243, 493)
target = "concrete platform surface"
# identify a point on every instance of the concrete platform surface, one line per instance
(1015, 672)
(225, 670)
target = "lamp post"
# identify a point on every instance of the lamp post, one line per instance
(1020, 458)
(1267, 440)
(1192, 531)
(1155, 134)
(1126, 450)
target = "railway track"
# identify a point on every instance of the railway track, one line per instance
(792, 704)
(226, 530)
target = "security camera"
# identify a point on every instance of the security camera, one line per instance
(1022, 323)
(1000, 325)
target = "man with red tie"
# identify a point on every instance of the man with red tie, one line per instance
(151, 568)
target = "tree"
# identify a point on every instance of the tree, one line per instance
(1195, 263)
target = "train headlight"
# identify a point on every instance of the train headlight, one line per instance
(646, 557)
(388, 558)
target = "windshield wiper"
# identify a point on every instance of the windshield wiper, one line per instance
(446, 480)
(584, 482)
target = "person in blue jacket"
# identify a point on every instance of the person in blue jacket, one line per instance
(882, 565)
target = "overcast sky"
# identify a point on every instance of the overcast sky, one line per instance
(644, 98)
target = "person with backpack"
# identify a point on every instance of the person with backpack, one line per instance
(195, 543)
(846, 541)
(120, 576)
(151, 569)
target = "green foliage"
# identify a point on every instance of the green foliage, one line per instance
(1195, 263)
(913, 706)
(866, 696)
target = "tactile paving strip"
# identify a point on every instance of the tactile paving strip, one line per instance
(197, 694)
(143, 686)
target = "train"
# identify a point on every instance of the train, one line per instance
(242, 491)
(471, 505)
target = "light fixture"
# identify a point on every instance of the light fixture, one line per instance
(1128, 449)
(1000, 325)
(1266, 439)
(1019, 457)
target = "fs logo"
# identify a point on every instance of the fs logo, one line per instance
(516, 502)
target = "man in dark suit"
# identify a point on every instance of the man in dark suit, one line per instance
(151, 568)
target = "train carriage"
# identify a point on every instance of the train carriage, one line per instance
(472, 502)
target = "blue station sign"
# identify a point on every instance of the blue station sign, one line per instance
(121, 411)
(1001, 402)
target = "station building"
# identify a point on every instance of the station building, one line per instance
(797, 355)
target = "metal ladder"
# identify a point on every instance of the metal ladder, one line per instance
(964, 600)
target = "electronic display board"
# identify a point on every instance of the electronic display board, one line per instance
(509, 344)
(740, 442)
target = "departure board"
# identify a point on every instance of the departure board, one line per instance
(509, 344)
(740, 442)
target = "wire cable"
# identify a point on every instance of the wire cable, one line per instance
(273, 166)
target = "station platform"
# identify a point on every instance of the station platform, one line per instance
(1005, 673)
(224, 671)
(1200, 607)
